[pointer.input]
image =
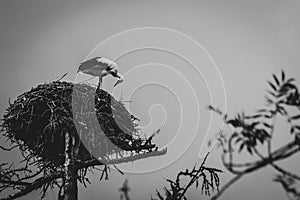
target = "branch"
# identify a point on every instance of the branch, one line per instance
(35, 185)
(287, 184)
(285, 172)
(194, 178)
(8, 149)
(94, 161)
(10, 182)
(279, 154)
(276, 167)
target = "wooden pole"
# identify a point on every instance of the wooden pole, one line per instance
(70, 188)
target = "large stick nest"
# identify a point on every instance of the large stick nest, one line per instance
(38, 120)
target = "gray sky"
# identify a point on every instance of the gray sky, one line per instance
(247, 42)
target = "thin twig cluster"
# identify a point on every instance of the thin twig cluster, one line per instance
(177, 190)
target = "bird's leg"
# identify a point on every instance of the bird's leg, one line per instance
(103, 73)
(100, 83)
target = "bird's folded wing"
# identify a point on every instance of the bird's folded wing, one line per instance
(99, 67)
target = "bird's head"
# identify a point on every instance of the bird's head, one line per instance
(120, 80)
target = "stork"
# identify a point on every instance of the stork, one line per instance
(101, 67)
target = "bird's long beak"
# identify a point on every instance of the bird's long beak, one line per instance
(118, 82)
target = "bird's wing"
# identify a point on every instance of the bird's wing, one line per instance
(91, 60)
(99, 67)
(87, 64)
(92, 65)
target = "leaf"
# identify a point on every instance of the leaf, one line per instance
(261, 139)
(253, 116)
(272, 94)
(238, 140)
(159, 195)
(276, 80)
(234, 122)
(267, 116)
(261, 110)
(253, 125)
(272, 86)
(282, 75)
(249, 149)
(270, 101)
(264, 133)
(235, 134)
(281, 110)
(267, 125)
(290, 80)
(241, 147)
(295, 117)
(297, 127)
(288, 86)
(292, 130)
(212, 181)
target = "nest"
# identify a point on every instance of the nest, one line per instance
(39, 119)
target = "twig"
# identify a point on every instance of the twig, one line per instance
(191, 182)
(8, 149)
(35, 185)
(226, 186)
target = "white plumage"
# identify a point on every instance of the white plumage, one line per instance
(101, 67)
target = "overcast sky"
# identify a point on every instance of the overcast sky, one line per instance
(177, 57)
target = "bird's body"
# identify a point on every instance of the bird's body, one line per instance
(100, 67)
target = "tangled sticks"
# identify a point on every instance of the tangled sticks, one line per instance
(38, 120)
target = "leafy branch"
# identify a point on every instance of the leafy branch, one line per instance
(257, 130)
